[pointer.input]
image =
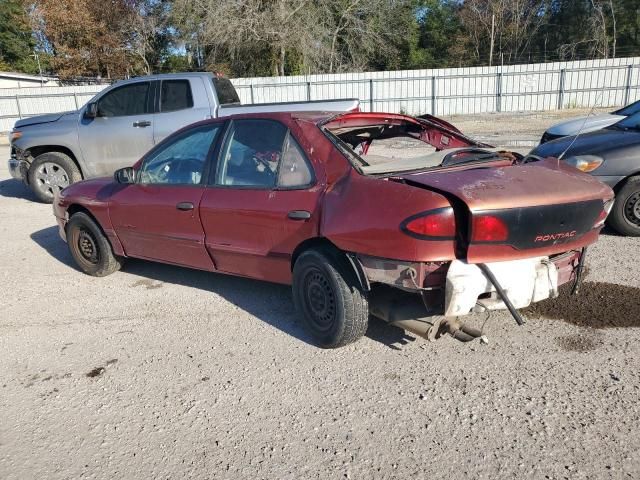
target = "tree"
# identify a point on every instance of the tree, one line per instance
(16, 40)
(441, 32)
(509, 24)
(88, 38)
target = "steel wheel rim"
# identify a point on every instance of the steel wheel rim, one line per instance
(632, 208)
(319, 300)
(51, 178)
(86, 246)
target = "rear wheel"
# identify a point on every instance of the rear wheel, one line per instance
(90, 248)
(50, 172)
(330, 301)
(625, 215)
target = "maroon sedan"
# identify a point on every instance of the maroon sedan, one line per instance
(401, 217)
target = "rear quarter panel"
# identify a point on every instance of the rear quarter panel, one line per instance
(363, 215)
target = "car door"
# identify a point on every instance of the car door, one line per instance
(122, 130)
(262, 202)
(157, 217)
(181, 101)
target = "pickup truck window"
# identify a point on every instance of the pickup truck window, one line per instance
(175, 95)
(182, 160)
(225, 90)
(125, 100)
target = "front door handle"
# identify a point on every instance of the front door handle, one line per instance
(142, 123)
(299, 215)
(185, 206)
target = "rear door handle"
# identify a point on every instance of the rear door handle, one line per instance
(142, 123)
(185, 206)
(299, 215)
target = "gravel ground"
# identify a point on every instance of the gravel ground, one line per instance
(158, 371)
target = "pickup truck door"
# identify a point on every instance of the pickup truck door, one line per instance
(262, 202)
(158, 217)
(181, 101)
(121, 133)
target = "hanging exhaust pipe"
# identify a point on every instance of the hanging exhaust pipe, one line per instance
(410, 314)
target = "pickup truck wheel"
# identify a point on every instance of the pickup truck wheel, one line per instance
(332, 305)
(90, 248)
(625, 215)
(50, 172)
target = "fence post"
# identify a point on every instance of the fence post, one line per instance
(251, 90)
(433, 95)
(561, 89)
(371, 94)
(627, 90)
(18, 106)
(498, 92)
(75, 100)
(308, 91)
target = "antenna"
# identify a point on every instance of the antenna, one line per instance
(596, 103)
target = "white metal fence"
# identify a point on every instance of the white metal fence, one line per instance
(531, 87)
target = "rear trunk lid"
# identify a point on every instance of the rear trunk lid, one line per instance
(518, 211)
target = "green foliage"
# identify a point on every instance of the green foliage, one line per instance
(274, 37)
(440, 28)
(16, 40)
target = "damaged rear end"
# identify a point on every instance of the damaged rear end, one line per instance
(521, 231)
(515, 232)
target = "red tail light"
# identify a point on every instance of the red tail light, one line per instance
(487, 228)
(437, 224)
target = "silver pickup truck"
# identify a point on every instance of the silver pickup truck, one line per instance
(121, 123)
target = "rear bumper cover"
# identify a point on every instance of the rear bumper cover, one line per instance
(524, 282)
(458, 288)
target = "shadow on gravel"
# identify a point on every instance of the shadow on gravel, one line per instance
(51, 242)
(393, 337)
(13, 188)
(598, 305)
(271, 303)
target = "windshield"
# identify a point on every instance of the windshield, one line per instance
(629, 109)
(630, 123)
(225, 90)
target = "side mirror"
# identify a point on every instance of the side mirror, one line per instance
(92, 110)
(125, 175)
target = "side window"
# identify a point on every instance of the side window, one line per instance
(181, 161)
(295, 170)
(126, 100)
(251, 154)
(175, 95)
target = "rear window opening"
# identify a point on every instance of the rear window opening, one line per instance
(397, 143)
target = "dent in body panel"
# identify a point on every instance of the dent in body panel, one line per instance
(94, 196)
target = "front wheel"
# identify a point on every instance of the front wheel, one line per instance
(90, 248)
(331, 303)
(50, 172)
(625, 215)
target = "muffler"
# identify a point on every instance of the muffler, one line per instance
(410, 313)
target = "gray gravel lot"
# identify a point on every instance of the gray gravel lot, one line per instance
(159, 371)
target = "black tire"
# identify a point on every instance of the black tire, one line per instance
(328, 297)
(52, 171)
(625, 215)
(90, 248)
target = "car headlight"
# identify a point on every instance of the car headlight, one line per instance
(14, 135)
(586, 163)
